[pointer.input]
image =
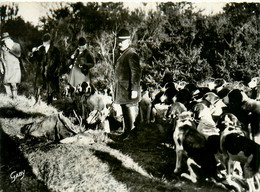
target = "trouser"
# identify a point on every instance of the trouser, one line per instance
(52, 86)
(130, 112)
(11, 90)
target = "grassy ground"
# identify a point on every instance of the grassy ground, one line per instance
(143, 164)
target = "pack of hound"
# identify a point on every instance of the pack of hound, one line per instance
(216, 131)
(215, 127)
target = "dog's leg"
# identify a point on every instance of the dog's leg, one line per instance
(191, 176)
(230, 166)
(141, 110)
(105, 125)
(179, 155)
(233, 183)
(148, 115)
(251, 185)
(237, 169)
(153, 114)
(178, 149)
(257, 179)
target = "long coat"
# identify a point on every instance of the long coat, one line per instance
(80, 70)
(10, 59)
(48, 68)
(127, 77)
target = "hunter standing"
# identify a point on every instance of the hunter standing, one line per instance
(127, 78)
(10, 53)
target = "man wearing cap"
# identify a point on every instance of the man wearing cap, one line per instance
(10, 53)
(82, 61)
(48, 67)
(126, 90)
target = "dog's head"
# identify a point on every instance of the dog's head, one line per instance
(169, 91)
(235, 97)
(200, 110)
(229, 123)
(230, 119)
(211, 97)
(180, 85)
(175, 110)
(184, 118)
(220, 82)
(255, 81)
(85, 88)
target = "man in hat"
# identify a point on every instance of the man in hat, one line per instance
(10, 53)
(48, 67)
(126, 90)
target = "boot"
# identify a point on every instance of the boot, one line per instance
(128, 121)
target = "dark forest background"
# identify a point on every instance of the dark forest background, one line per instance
(174, 39)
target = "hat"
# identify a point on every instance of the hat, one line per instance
(5, 36)
(123, 34)
(82, 41)
(46, 37)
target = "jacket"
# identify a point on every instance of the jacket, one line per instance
(127, 77)
(11, 63)
(80, 71)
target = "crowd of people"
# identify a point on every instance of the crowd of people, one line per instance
(48, 63)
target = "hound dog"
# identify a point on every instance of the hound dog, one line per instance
(180, 128)
(185, 97)
(175, 110)
(246, 109)
(216, 105)
(145, 106)
(193, 144)
(169, 91)
(90, 99)
(206, 124)
(254, 84)
(235, 146)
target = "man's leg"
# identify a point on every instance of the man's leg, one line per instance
(14, 90)
(8, 90)
(129, 113)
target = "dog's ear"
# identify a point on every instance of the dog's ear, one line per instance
(78, 88)
(228, 120)
(244, 96)
(211, 97)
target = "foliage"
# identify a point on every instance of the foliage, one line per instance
(173, 39)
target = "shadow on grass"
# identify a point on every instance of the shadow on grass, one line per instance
(12, 112)
(12, 163)
(133, 180)
(147, 150)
